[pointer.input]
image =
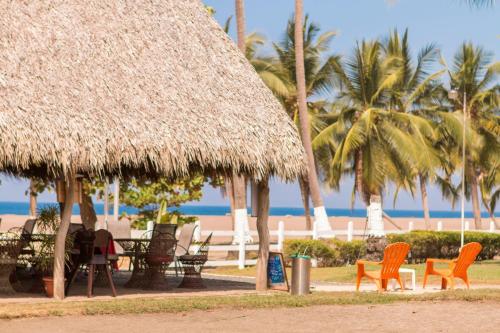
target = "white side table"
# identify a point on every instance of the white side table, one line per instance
(413, 278)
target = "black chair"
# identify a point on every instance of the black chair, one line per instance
(74, 228)
(192, 265)
(165, 228)
(159, 255)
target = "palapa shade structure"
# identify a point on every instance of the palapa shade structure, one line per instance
(104, 87)
(120, 87)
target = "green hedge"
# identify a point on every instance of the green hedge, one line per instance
(445, 244)
(327, 252)
(423, 245)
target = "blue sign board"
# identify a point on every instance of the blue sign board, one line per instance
(276, 273)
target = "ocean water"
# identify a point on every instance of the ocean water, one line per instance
(22, 208)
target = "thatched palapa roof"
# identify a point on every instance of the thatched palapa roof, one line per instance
(108, 86)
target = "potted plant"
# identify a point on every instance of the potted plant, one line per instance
(48, 222)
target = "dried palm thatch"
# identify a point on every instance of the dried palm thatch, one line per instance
(145, 86)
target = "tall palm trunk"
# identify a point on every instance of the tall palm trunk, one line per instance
(239, 183)
(33, 196)
(305, 194)
(476, 208)
(87, 211)
(358, 178)
(425, 204)
(228, 184)
(319, 208)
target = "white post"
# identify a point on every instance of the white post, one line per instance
(150, 226)
(197, 231)
(466, 226)
(281, 235)
(492, 226)
(106, 203)
(440, 226)
(350, 231)
(410, 226)
(315, 230)
(314, 262)
(116, 199)
(241, 245)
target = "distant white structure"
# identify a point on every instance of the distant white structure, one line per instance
(375, 221)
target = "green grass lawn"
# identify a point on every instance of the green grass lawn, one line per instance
(485, 272)
(253, 301)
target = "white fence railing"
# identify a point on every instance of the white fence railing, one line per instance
(281, 234)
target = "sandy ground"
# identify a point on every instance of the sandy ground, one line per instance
(400, 317)
(291, 223)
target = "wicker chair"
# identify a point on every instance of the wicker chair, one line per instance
(10, 248)
(193, 265)
(159, 255)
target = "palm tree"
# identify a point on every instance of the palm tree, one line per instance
(473, 75)
(282, 79)
(319, 208)
(366, 139)
(411, 95)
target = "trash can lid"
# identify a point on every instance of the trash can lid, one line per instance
(300, 256)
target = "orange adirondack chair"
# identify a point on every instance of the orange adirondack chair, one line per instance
(457, 268)
(394, 256)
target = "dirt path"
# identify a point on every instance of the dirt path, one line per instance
(400, 317)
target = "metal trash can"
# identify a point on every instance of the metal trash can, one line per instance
(301, 275)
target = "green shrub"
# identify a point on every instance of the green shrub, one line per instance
(445, 244)
(317, 249)
(328, 253)
(349, 252)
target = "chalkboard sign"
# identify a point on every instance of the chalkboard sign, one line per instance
(276, 273)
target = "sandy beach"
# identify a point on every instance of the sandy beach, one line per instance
(291, 222)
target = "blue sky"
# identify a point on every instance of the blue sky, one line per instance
(444, 22)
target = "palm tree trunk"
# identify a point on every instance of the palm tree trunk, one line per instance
(474, 195)
(240, 24)
(319, 208)
(305, 194)
(263, 230)
(239, 192)
(228, 184)
(425, 204)
(87, 212)
(358, 178)
(33, 197)
(60, 244)
(239, 183)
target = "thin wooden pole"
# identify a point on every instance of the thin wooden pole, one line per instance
(263, 231)
(60, 245)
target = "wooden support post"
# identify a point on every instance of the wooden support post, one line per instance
(60, 245)
(263, 230)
